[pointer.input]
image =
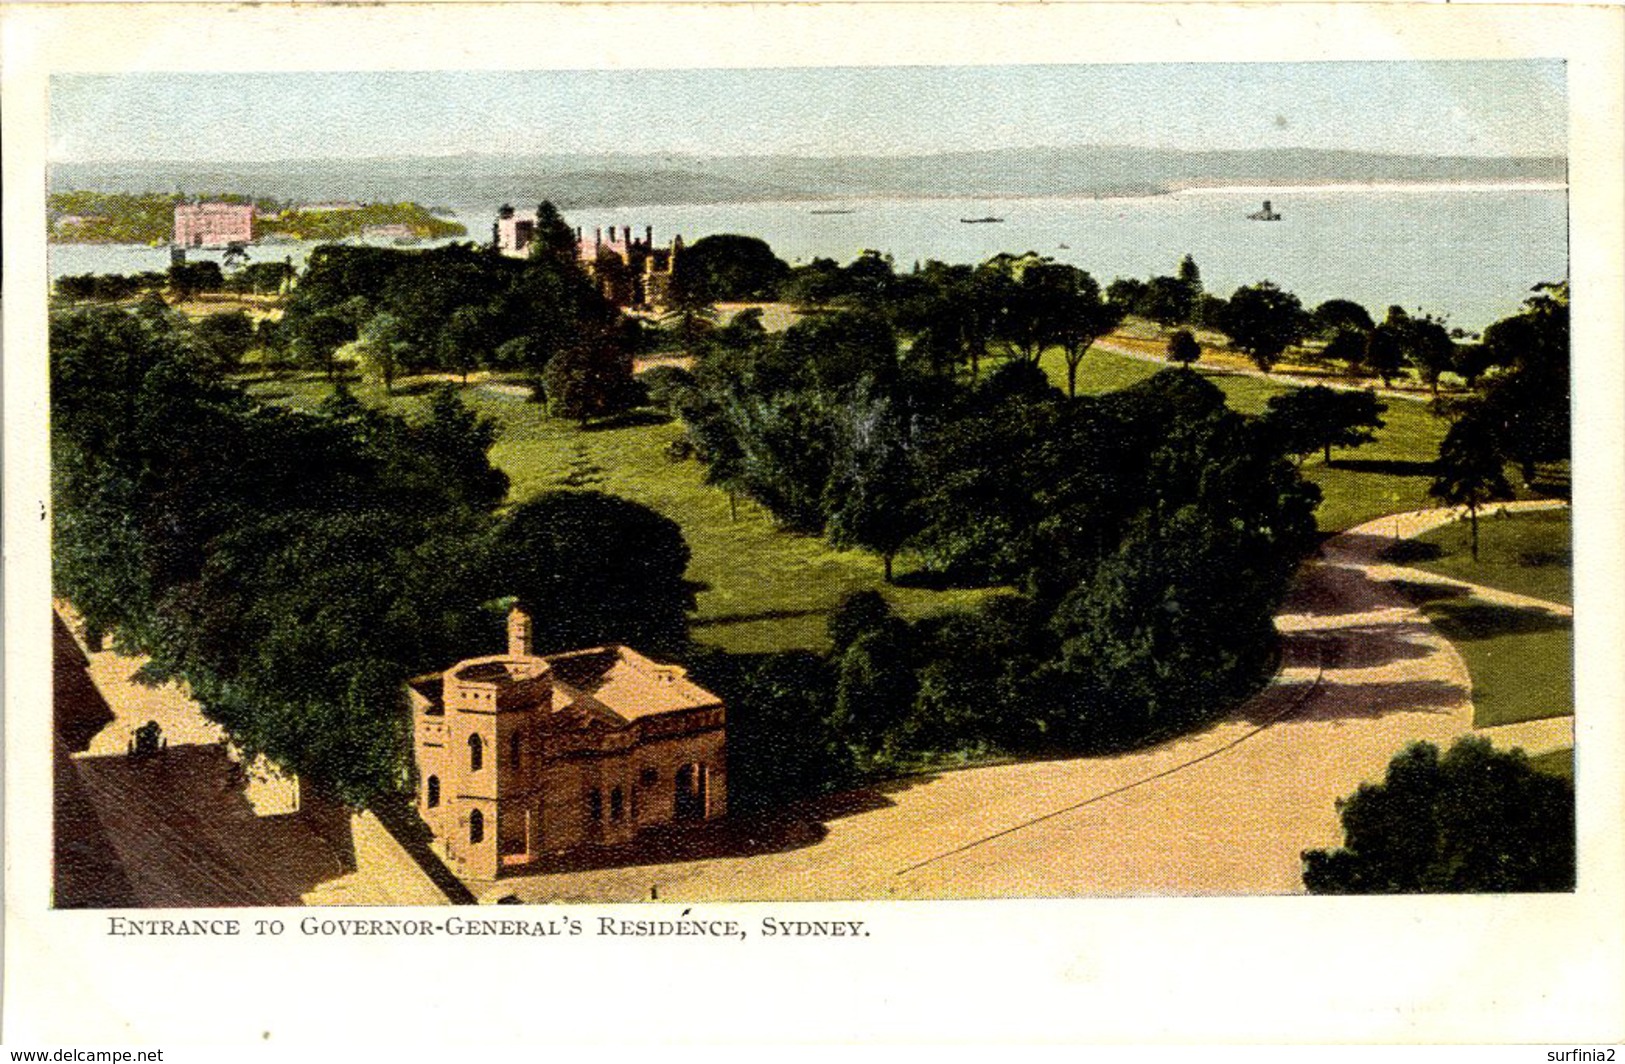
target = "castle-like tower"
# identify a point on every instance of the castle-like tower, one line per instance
(519, 755)
(630, 271)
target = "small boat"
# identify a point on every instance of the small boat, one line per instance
(1064, 247)
(980, 221)
(1266, 215)
(832, 210)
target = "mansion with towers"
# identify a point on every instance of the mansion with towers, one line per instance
(520, 755)
(630, 271)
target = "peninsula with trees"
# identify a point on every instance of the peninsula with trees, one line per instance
(81, 217)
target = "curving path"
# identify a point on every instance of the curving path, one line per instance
(1224, 811)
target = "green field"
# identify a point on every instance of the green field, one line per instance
(762, 588)
(768, 589)
(1521, 660)
(1525, 553)
(1555, 763)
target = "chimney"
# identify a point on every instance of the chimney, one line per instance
(519, 641)
(649, 237)
(598, 237)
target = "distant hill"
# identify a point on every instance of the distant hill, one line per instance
(574, 181)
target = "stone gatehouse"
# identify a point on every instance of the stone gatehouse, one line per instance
(520, 755)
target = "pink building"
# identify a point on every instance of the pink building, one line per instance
(199, 225)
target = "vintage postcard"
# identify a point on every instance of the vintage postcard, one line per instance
(721, 483)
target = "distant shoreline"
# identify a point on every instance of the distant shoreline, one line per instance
(814, 203)
(1371, 186)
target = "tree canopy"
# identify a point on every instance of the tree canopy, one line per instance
(295, 567)
(727, 267)
(1473, 820)
(1264, 321)
(1305, 420)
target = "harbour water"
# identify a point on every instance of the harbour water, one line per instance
(1467, 253)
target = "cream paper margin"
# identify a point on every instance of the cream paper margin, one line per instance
(1405, 970)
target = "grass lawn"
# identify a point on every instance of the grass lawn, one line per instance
(1555, 763)
(766, 589)
(762, 588)
(1521, 660)
(1525, 553)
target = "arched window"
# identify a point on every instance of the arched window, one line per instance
(516, 748)
(476, 753)
(476, 827)
(617, 803)
(434, 791)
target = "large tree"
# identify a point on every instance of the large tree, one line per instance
(1183, 348)
(1385, 351)
(594, 569)
(1080, 317)
(874, 483)
(1305, 420)
(1470, 469)
(591, 377)
(292, 567)
(1474, 820)
(1528, 399)
(1264, 321)
(730, 268)
(1335, 315)
(1430, 349)
(553, 241)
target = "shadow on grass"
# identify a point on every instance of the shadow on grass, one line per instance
(1393, 467)
(934, 580)
(629, 420)
(1542, 559)
(1483, 620)
(760, 615)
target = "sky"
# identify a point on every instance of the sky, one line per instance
(1443, 108)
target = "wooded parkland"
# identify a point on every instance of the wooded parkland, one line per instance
(984, 527)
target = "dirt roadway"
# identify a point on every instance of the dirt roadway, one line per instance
(179, 829)
(1225, 811)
